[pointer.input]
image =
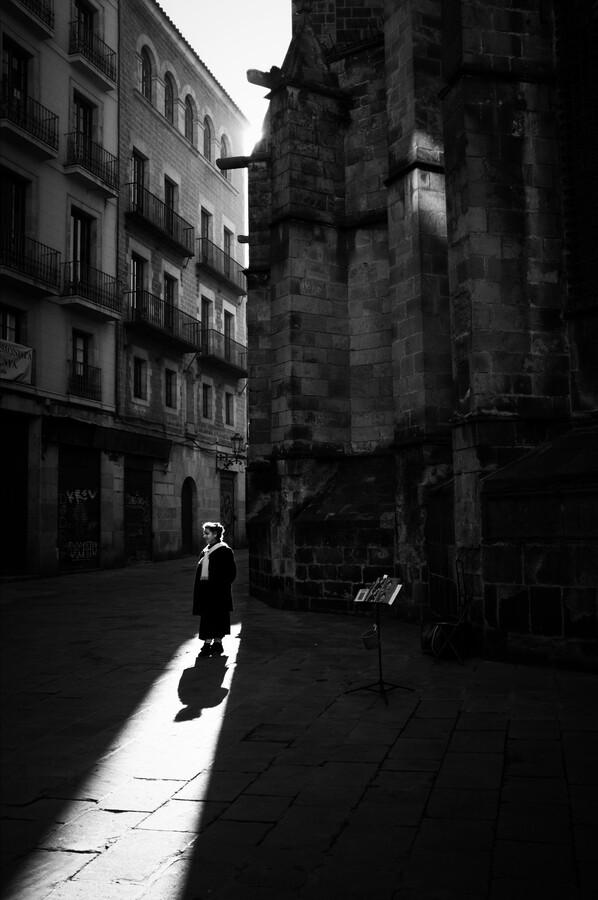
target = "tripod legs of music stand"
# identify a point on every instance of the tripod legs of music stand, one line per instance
(383, 687)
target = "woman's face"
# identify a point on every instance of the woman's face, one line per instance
(210, 536)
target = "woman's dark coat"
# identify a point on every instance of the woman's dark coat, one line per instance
(215, 593)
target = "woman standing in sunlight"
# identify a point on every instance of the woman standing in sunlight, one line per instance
(212, 594)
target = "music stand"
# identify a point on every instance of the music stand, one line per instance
(381, 593)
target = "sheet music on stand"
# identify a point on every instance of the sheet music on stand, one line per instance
(384, 590)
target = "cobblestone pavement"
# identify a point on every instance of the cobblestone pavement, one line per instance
(134, 771)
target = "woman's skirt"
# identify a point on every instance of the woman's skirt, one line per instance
(214, 622)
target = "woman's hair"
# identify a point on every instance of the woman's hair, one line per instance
(216, 527)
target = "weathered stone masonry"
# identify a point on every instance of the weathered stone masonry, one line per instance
(410, 324)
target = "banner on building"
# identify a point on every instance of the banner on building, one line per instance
(16, 362)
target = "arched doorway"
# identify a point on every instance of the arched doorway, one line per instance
(188, 493)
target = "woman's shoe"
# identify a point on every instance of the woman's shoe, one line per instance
(206, 650)
(217, 648)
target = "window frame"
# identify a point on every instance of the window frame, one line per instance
(11, 332)
(229, 409)
(206, 401)
(189, 120)
(170, 389)
(147, 74)
(208, 136)
(139, 378)
(169, 98)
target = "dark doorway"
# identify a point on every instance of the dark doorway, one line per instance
(138, 509)
(14, 471)
(78, 508)
(187, 494)
(227, 506)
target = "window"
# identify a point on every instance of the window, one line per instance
(228, 241)
(81, 345)
(205, 224)
(189, 120)
(169, 203)
(139, 378)
(206, 401)
(169, 98)
(206, 322)
(83, 117)
(206, 312)
(84, 379)
(170, 286)
(137, 273)
(146, 74)
(207, 139)
(139, 181)
(137, 281)
(227, 238)
(13, 192)
(170, 388)
(10, 325)
(223, 154)
(15, 65)
(84, 15)
(229, 332)
(229, 415)
(80, 244)
(190, 399)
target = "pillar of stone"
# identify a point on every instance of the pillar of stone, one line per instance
(418, 279)
(511, 358)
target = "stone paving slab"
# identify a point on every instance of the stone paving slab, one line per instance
(134, 771)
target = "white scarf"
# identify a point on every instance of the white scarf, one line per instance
(205, 560)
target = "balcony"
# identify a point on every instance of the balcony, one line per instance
(27, 262)
(146, 313)
(151, 212)
(214, 260)
(29, 124)
(84, 381)
(90, 163)
(87, 288)
(36, 14)
(221, 351)
(89, 53)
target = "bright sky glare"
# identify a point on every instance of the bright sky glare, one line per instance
(232, 36)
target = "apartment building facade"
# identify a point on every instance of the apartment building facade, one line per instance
(107, 457)
(182, 346)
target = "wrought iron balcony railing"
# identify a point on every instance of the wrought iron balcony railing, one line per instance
(93, 48)
(81, 280)
(219, 262)
(161, 218)
(82, 151)
(43, 9)
(85, 381)
(148, 310)
(29, 115)
(30, 258)
(219, 348)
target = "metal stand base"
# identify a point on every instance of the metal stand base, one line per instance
(383, 687)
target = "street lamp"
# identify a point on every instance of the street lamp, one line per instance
(227, 460)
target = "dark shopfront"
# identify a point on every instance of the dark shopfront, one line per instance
(14, 490)
(78, 508)
(79, 525)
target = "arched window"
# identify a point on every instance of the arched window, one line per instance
(189, 120)
(146, 74)
(223, 153)
(169, 98)
(207, 139)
